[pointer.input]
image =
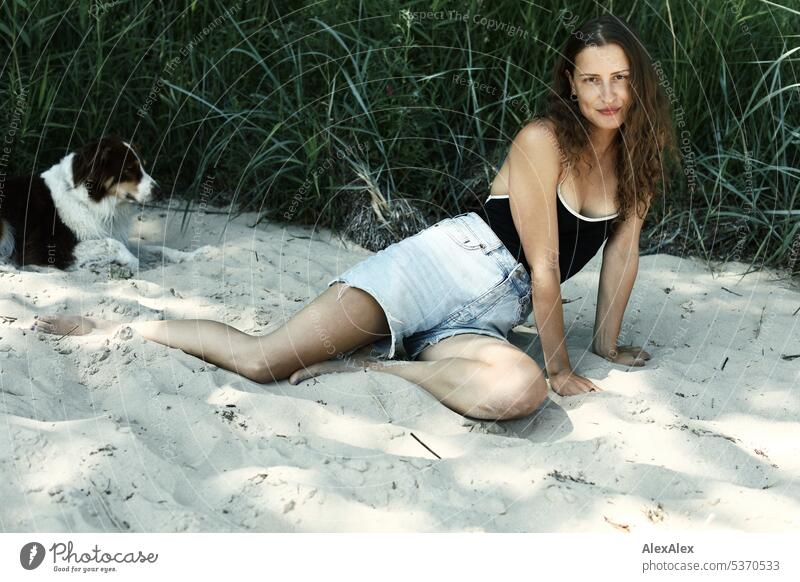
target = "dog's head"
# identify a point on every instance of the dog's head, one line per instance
(109, 167)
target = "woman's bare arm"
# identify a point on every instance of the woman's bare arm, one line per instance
(616, 282)
(617, 276)
(534, 166)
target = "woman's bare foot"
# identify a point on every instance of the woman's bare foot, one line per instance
(71, 325)
(359, 360)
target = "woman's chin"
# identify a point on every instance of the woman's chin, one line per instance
(608, 121)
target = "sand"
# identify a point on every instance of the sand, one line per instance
(119, 434)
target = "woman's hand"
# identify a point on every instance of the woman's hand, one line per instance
(624, 355)
(568, 383)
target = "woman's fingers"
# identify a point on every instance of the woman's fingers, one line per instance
(630, 360)
(636, 351)
(589, 386)
(573, 385)
(630, 356)
(583, 385)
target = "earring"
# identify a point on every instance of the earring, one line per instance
(573, 97)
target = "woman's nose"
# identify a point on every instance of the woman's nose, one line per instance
(608, 92)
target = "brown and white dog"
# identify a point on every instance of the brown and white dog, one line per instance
(78, 212)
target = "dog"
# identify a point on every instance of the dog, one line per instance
(77, 213)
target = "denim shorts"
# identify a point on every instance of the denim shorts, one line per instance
(451, 278)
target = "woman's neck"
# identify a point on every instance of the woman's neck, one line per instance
(602, 147)
(603, 141)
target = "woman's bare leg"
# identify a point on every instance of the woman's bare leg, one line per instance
(476, 376)
(323, 329)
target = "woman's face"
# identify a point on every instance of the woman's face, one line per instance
(601, 82)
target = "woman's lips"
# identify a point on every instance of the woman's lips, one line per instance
(609, 111)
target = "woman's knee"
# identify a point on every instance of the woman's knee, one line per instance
(259, 362)
(515, 392)
(257, 369)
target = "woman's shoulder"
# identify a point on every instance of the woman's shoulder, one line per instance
(540, 138)
(539, 132)
(540, 125)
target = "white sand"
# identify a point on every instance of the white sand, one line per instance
(106, 434)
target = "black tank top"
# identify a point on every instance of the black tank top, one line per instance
(579, 237)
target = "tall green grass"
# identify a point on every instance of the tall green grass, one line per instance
(336, 112)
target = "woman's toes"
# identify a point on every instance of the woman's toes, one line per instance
(300, 375)
(63, 324)
(42, 326)
(48, 320)
(326, 367)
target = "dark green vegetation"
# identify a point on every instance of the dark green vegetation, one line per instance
(337, 112)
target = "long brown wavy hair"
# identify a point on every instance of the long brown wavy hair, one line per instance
(647, 133)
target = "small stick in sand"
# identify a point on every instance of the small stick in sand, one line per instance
(8, 319)
(760, 321)
(69, 332)
(729, 291)
(723, 363)
(424, 445)
(620, 526)
(796, 311)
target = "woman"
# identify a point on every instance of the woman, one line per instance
(452, 292)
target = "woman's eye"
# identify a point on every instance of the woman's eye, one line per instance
(592, 79)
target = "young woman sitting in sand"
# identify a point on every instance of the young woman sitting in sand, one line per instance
(452, 292)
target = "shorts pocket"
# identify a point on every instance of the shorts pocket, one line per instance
(524, 310)
(479, 307)
(464, 236)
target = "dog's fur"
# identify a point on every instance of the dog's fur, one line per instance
(78, 212)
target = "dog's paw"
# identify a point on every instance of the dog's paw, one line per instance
(129, 262)
(178, 256)
(116, 271)
(174, 255)
(206, 251)
(38, 268)
(106, 256)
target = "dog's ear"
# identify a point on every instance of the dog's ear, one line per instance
(88, 165)
(105, 147)
(83, 162)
